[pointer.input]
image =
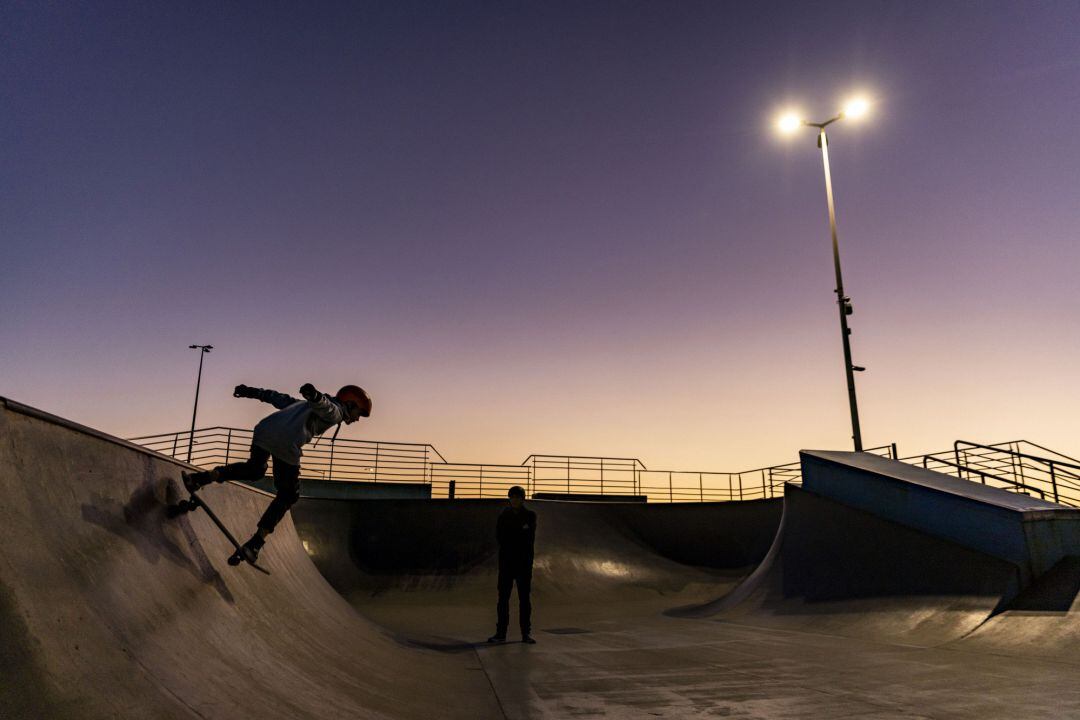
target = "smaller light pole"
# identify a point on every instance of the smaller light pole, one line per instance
(203, 349)
(787, 124)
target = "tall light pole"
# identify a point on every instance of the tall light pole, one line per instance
(789, 123)
(203, 349)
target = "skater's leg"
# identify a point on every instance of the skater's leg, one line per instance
(502, 610)
(251, 469)
(254, 468)
(287, 483)
(524, 590)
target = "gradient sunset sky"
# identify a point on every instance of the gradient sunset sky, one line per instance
(546, 227)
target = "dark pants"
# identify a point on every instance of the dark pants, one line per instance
(286, 482)
(509, 574)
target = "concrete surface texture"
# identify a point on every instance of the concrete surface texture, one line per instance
(109, 610)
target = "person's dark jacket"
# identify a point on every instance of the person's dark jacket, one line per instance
(516, 532)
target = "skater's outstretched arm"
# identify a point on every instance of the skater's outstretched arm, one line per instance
(321, 405)
(278, 400)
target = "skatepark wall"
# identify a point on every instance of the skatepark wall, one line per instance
(585, 552)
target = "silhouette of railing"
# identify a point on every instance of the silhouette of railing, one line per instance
(1017, 466)
(382, 462)
(325, 459)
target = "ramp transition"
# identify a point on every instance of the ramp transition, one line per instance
(109, 610)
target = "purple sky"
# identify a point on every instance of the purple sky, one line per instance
(546, 227)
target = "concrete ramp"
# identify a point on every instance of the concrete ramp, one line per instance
(842, 571)
(1043, 621)
(109, 610)
(876, 549)
(594, 561)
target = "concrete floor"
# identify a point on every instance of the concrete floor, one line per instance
(643, 664)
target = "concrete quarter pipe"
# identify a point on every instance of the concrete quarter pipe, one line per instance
(107, 610)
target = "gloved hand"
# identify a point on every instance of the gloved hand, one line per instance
(243, 391)
(309, 393)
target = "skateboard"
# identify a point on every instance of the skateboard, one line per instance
(194, 503)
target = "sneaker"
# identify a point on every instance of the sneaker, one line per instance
(248, 552)
(496, 638)
(191, 481)
(528, 639)
(194, 481)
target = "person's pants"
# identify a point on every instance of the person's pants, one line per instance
(508, 576)
(286, 482)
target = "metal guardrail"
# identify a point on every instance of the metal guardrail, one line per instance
(380, 461)
(1018, 466)
(356, 460)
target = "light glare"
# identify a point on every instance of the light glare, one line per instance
(788, 123)
(856, 108)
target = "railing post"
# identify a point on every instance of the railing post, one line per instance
(601, 476)
(740, 486)
(670, 491)
(228, 445)
(701, 489)
(330, 472)
(895, 454)
(956, 455)
(567, 475)
(176, 439)
(1053, 480)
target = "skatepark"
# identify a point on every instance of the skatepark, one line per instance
(874, 590)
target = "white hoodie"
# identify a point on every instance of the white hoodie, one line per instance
(284, 433)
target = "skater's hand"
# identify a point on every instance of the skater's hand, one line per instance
(309, 393)
(243, 391)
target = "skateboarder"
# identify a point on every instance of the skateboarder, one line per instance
(281, 436)
(516, 532)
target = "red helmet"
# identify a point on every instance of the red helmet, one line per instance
(354, 394)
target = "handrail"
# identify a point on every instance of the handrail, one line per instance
(1037, 458)
(1052, 464)
(380, 461)
(1041, 447)
(536, 456)
(984, 475)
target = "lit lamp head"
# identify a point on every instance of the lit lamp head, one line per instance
(856, 108)
(788, 123)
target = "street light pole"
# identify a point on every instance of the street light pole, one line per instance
(787, 124)
(843, 302)
(203, 349)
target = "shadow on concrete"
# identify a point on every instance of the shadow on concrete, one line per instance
(1053, 592)
(142, 522)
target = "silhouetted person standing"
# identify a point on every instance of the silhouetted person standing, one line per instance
(516, 532)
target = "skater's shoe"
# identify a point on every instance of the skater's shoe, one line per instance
(497, 638)
(248, 552)
(528, 639)
(194, 481)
